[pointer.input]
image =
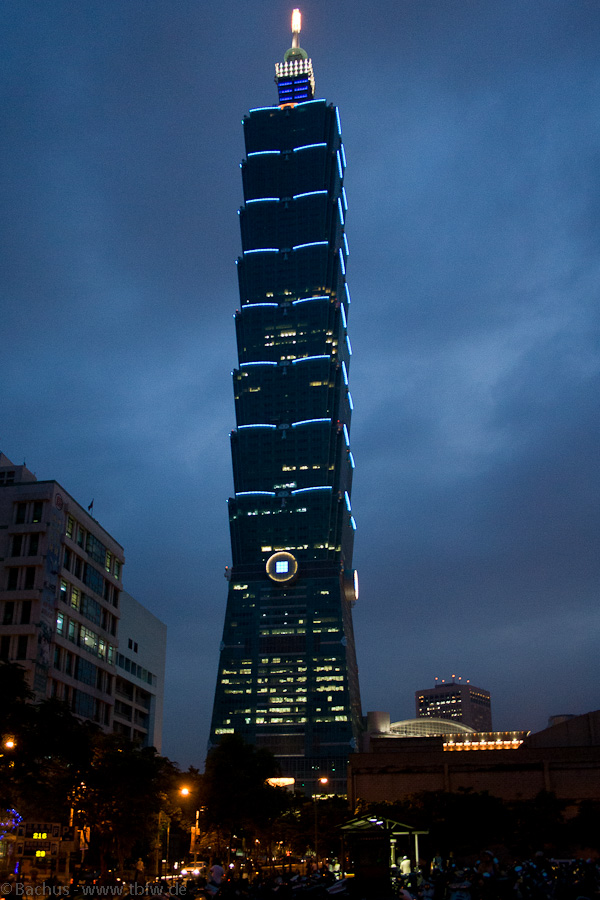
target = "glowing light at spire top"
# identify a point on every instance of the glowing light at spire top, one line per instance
(296, 27)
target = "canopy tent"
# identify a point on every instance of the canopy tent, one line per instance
(377, 828)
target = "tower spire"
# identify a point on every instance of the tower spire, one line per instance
(296, 28)
(294, 76)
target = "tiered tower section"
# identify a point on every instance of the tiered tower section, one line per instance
(287, 674)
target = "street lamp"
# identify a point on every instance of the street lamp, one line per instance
(195, 829)
(163, 822)
(322, 781)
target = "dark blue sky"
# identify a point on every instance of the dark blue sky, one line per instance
(472, 131)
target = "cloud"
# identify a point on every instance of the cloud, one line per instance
(472, 138)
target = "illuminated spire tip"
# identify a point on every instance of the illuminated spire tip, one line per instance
(296, 27)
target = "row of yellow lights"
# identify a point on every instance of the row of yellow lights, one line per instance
(483, 745)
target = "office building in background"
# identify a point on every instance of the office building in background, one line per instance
(458, 700)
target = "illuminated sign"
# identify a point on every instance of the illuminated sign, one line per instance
(282, 567)
(281, 782)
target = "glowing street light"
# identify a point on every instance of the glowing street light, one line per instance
(322, 781)
(195, 829)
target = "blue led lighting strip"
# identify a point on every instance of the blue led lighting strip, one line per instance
(252, 306)
(255, 494)
(310, 244)
(309, 422)
(308, 147)
(323, 487)
(261, 362)
(308, 194)
(310, 299)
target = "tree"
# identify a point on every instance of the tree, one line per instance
(50, 752)
(297, 825)
(537, 823)
(459, 823)
(583, 830)
(238, 799)
(14, 691)
(122, 796)
(58, 768)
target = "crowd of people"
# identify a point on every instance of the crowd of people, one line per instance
(538, 878)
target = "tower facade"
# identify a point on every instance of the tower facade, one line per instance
(287, 676)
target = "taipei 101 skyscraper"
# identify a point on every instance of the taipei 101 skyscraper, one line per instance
(288, 678)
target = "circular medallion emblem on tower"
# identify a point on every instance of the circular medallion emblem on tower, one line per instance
(282, 567)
